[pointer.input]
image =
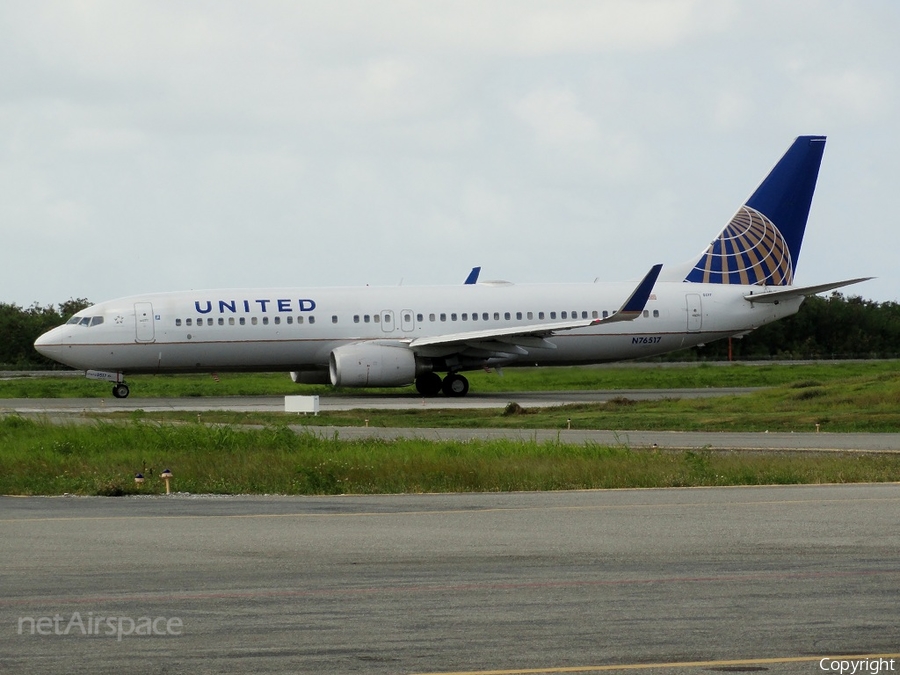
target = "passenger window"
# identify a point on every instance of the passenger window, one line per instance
(242, 321)
(253, 320)
(334, 318)
(552, 315)
(595, 315)
(231, 320)
(453, 316)
(177, 322)
(290, 319)
(584, 314)
(506, 316)
(187, 322)
(530, 315)
(443, 317)
(221, 321)
(655, 313)
(431, 317)
(484, 316)
(312, 319)
(465, 317)
(265, 321)
(474, 316)
(209, 321)
(366, 318)
(276, 320)
(376, 318)
(646, 313)
(540, 315)
(605, 314)
(518, 316)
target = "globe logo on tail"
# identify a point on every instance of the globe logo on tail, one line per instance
(750, 250)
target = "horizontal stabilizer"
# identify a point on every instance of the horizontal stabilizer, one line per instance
(797, 291)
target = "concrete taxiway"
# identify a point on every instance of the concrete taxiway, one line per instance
(731, 579)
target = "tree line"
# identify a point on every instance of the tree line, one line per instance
(20, 327)
(834, 327)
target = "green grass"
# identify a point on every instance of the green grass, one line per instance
(102, 455)
(102, 458)
(619, 376)
(869, 402)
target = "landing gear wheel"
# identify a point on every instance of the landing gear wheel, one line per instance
(121, 390)
(455, 385)
(428, 384)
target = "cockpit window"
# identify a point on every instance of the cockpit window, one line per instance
(85, 321)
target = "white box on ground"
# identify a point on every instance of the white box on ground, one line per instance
(301, 404)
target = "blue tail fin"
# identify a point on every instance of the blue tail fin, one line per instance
(762, 242)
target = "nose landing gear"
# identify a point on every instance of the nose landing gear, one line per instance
(120, 390)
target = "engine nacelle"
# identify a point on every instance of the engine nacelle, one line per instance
(368, 365)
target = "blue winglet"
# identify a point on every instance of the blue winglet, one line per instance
(636, 302)
(473, 276)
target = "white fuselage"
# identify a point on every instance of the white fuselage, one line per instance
(292, 329)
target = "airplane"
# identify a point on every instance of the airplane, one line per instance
(406, 335)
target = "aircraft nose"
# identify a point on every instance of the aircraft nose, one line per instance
(49, 343)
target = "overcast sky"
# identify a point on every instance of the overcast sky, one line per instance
(153, 146)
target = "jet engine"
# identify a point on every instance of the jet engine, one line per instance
(372, 365)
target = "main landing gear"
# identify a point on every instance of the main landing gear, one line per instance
(431, 384)
(120, 390)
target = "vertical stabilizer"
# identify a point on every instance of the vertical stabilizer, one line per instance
(761, 244)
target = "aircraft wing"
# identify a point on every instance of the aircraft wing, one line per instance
(805, 291)
(515, 339)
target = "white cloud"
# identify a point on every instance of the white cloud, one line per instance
(355, 141)
(555, 117)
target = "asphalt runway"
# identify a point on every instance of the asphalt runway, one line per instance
(730, 579)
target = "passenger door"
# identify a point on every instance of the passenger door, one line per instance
(144, 330)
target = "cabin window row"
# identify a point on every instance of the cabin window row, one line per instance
(243, 320)
(407, 318)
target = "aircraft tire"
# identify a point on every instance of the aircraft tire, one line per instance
(455, 385)
(429, 384)
(120, 390)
